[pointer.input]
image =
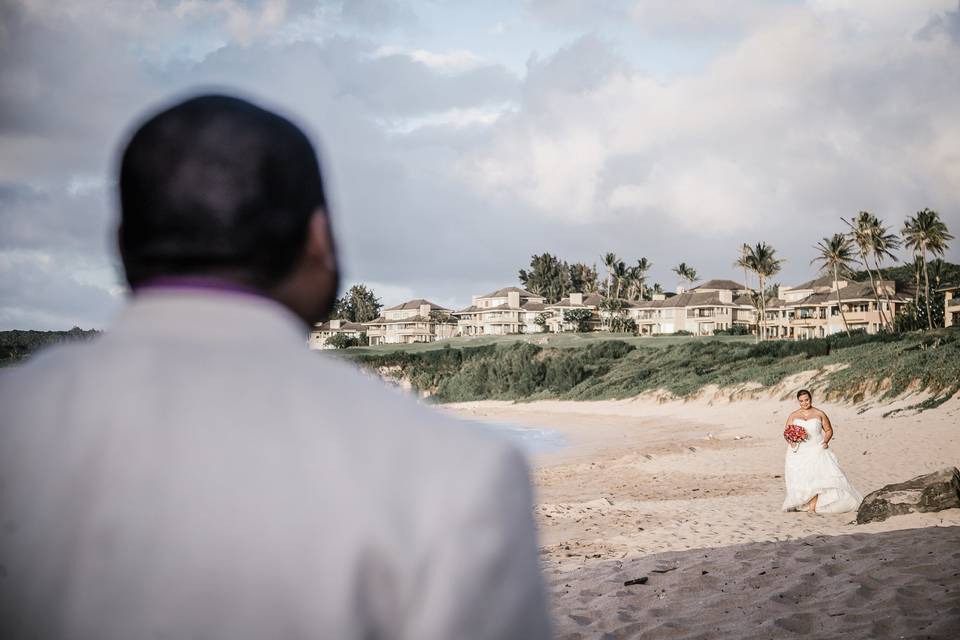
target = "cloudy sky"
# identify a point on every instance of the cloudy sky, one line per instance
(459, 138)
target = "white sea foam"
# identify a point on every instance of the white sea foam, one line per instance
(530, 439)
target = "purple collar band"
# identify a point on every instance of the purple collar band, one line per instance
(198, 283)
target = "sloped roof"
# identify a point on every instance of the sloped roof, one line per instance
(825, 281)
(502, 293)
(415, 304)
(726, 285)
(688, 299)
(589, 300)
(524, 306)
(417, 318)
(345, 325)
(854, 291)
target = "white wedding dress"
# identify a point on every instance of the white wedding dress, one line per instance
(810, 470)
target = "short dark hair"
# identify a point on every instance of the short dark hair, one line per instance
(217, 186)
(804, 392)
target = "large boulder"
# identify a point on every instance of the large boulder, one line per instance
(933, 492)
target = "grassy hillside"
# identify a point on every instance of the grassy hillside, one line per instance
(612, 369)
(546, 340)
(18, 345)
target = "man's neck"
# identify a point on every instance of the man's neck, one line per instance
(198, 283)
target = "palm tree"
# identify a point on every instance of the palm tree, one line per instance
(643, 266)
(762, 261)
(917, 271)
(873, 239)
(745, 264)
(619, 275)
(610, 262)
(884, 244)
(926, 232)
(836, 257)
(632, 280)
(685, 272)
(938, 269)
(742, 263)
(862, 234)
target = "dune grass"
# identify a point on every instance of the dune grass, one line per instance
(546, 340)
(596, 369)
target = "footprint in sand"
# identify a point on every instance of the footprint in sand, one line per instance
(583, 621)
(797, 623)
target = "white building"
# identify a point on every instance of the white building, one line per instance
(503, 312)
(413, 321)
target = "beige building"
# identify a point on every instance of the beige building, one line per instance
(810, 310)
(712, 306)
(503, 312)
(557, 322)
(413, 321)
(951, 305)
(323, 331)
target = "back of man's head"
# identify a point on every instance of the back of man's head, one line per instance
(216, 186)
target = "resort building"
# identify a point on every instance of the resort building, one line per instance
(712, 306)
(505, 311)
(810, 310)
(951, 305)
(326, 330)
(413, 321)
(557, 321)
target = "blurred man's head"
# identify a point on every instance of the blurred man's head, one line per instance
(216, 187)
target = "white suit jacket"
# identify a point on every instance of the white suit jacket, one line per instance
(197, 473)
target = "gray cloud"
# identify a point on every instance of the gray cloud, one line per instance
(577, 14)
(946, 23)
(583, 65)
(348, 71)
(341, 89)
(378, 14)
(445, 179)
(49, 291)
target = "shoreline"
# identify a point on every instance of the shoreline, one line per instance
(645, 478)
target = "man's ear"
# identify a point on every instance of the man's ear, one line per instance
(320, 241)
(120, 248)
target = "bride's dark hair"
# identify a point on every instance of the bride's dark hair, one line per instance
(804, 392)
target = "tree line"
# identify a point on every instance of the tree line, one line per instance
(867, 243)
(859, 253)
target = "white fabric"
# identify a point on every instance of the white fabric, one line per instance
(810, 470)
(196, 472)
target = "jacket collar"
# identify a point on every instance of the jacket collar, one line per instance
(208, 315)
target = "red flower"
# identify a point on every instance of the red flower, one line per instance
(795, 433)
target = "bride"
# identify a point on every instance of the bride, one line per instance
(814, 480)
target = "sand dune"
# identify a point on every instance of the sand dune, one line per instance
(644, 482)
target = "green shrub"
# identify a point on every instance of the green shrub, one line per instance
(734, 330)
(579, 317)
(611, 349)
(615, 369)
(18, 345)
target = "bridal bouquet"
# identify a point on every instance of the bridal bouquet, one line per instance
(795, 433)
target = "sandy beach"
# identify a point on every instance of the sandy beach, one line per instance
(688, 495)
